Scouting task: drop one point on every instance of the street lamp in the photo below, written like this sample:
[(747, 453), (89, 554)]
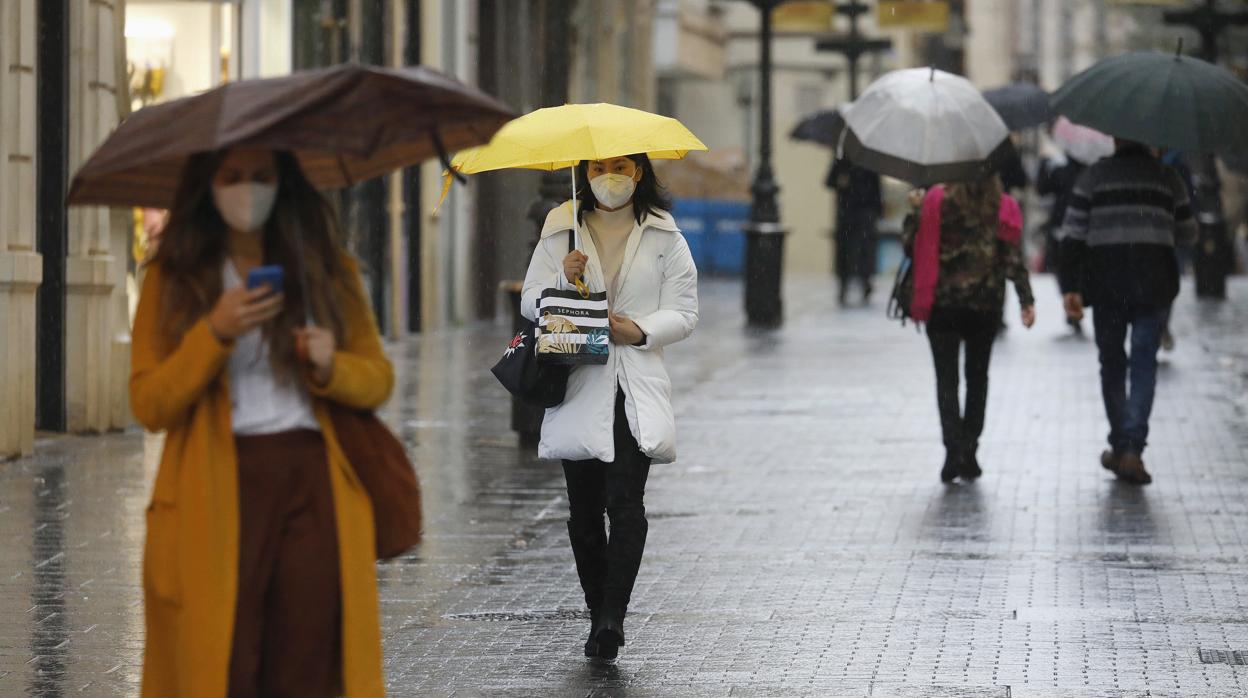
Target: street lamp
[(764, 247), (853, 46)]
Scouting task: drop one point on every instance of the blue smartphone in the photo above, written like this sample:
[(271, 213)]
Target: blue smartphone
[(271, 275)]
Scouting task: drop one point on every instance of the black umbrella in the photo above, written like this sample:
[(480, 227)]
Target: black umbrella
[(1021, 105), (823, 127), (1163, 100)]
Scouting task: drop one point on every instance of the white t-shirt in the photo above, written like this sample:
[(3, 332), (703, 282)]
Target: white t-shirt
[(260, 404)]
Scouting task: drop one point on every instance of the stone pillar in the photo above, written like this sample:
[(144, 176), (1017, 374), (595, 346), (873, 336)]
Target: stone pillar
[(21, 267), (97, 322)]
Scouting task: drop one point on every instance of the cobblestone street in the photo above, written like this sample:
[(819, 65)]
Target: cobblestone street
[(802, 544)]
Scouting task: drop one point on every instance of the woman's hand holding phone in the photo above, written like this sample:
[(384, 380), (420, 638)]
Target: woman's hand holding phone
[(240, 310)]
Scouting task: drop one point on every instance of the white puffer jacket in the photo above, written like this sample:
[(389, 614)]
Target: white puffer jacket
[(658, 289)]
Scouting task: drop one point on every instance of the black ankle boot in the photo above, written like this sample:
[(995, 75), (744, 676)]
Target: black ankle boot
[(610, 636), (589, 547), (949, 471), (591, 643), (968, 466)]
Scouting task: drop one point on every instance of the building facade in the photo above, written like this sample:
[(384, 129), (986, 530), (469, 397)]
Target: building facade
[(67, 277), (65, 355)]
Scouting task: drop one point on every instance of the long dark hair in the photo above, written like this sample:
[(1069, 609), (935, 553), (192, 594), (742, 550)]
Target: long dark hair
[(649, 197), (193, 249), (979, 200)]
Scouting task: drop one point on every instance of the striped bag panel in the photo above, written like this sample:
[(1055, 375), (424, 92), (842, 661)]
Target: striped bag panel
[(572, 329)]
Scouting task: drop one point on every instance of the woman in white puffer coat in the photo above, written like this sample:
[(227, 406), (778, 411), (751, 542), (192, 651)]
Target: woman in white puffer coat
[(617, 418)]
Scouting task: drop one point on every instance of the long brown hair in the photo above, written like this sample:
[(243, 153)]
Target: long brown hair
[(193, 250), (979, 200)]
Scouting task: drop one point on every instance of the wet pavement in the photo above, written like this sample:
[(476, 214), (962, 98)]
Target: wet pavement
[(802, 545)]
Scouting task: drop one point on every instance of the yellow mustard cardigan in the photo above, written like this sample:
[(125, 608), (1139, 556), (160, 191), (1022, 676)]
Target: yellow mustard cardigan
[(190, 567)]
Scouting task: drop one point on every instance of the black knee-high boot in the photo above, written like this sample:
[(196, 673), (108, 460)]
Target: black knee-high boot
[(624, 551), (589, 548)]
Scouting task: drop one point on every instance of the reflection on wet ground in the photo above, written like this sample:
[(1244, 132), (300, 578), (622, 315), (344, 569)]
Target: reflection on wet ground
[(802, 545)]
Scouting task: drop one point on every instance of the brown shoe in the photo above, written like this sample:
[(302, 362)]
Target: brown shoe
[(1131, 469), (1109, 461)]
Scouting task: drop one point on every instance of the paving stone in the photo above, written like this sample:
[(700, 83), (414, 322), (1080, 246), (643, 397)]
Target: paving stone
[(802, 545)]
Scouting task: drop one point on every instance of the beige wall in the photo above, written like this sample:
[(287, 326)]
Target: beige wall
[(265, 44), (446, 291), (991, 43), (97, 317), (612, 60), (96, 323), (21, 268)]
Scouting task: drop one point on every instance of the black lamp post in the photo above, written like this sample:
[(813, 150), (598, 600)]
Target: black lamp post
[(1214, 254), (854, 46), (764, 246)]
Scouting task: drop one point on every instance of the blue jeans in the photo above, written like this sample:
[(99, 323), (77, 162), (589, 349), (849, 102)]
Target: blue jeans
[(1128, 412)]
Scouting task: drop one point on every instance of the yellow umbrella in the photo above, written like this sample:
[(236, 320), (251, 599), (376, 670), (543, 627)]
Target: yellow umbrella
[(559, 137)]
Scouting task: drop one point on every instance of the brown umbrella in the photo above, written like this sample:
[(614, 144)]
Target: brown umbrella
[(346, 124)]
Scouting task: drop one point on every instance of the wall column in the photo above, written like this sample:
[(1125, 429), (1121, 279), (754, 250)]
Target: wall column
[(21, 267), (97, 319)]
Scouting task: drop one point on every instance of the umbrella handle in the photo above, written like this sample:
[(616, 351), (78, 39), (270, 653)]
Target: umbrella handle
[(439, 146), (576, 234)]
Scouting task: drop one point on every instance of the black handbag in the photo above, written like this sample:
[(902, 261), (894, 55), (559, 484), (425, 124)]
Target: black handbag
[(903, 291), (540, 384)]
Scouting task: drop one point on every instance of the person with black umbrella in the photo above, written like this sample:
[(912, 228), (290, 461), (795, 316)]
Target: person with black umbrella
[(258, 531), (858, 209), (253, 334), (1118, 256)]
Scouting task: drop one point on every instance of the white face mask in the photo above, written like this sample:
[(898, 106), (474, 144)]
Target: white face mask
[(245, 206), (613, 190)]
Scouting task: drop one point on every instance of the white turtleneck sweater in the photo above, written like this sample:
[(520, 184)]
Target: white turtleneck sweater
[(610, 231)]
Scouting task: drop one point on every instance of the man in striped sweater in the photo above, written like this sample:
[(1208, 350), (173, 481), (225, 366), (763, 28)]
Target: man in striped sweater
[(1118, 256)]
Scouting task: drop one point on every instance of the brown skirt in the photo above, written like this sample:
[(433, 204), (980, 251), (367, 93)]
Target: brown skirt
[(287, 627)]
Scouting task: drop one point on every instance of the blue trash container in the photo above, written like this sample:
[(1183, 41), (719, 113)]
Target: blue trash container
[(727, 238), (690, 216)]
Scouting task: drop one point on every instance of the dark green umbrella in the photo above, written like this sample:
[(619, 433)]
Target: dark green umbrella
[(1164, 100)]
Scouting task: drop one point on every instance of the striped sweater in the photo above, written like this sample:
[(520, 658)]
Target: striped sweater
[(1120, 229)]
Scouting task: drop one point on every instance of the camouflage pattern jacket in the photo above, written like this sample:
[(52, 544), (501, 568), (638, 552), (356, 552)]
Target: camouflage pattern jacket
[(974, 263)]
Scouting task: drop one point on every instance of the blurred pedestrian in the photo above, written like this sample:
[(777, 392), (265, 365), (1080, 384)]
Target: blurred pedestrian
[(966, 245), (1184, 249), (259, 569), (617, 418), (1056, 178), (1013, 174), (1118, 256), (859, 205)]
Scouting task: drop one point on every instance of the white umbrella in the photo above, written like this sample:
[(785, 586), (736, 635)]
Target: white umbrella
[(925, 126)]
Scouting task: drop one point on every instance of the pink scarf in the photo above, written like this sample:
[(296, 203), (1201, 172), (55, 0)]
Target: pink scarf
[(927, 246)]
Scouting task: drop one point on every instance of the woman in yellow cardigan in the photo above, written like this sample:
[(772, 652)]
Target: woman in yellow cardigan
[(259, 576)]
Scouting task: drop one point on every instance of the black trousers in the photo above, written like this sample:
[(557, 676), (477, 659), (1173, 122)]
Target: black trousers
[(947, 332), (607, 565)]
